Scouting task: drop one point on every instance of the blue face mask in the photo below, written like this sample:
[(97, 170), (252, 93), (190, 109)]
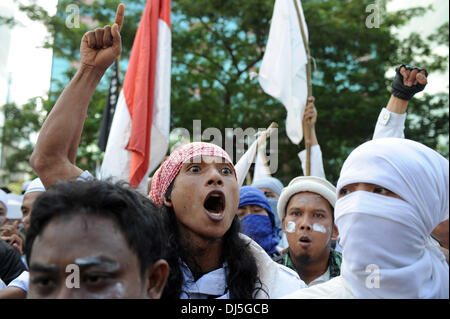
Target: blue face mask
[(260, 229)]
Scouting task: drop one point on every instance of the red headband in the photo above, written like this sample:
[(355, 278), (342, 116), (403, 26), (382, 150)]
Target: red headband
[(170, 168)]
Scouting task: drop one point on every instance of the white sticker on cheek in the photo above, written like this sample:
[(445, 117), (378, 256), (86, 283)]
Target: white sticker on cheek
[(319, 228), (290, 228)]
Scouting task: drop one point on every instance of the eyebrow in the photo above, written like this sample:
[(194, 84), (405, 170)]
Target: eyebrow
[(44, 268), (92, 261), (85, 262), (314, 210)]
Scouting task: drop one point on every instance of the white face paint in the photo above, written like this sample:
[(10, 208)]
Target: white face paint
[(290, 228), (319, 228)]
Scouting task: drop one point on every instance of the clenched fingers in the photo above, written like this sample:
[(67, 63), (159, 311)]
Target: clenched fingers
[(99, 38), (422, 77), (107, 36)]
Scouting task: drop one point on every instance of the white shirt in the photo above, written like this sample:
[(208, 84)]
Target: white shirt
[(21, 281), (335, 288), (322, 278), (213, 283), (390, 124), (277, 280), (2, 284), (316, 168)]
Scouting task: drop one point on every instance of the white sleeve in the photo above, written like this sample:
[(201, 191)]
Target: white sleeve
[(316, 161), (85, 176), (2, 284), (390, 124), (21, 281)]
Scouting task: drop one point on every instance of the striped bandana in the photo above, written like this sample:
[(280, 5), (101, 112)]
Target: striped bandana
[(170, 168)]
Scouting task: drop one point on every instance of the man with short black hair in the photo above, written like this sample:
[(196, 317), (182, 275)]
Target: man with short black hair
[(94, 239)]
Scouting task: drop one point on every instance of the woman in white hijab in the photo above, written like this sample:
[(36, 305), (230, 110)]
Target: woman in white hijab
[(391, 194)]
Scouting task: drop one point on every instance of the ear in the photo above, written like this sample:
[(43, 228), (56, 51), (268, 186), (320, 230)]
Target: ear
[(335, 232), (167, 202), (156, 279)]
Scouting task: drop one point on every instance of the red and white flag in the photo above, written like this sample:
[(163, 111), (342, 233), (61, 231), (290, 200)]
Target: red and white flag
[(139, 136)]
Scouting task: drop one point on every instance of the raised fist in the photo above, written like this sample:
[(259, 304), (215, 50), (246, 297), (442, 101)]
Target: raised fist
[(408, 81), (99, 48)]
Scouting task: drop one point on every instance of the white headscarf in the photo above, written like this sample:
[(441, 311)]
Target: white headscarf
[(386, 248)]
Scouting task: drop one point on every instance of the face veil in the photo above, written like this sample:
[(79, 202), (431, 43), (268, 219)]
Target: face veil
[(389, 237)]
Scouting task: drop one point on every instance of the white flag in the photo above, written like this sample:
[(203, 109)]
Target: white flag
[(283, 69), (244, 163), (261, 169)]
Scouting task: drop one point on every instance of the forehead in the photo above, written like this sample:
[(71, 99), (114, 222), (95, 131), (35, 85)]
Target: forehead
[(67, 238), (30, 197), (308, 200), (204, 159)]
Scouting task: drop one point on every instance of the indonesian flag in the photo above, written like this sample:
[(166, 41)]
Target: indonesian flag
[(139, 136), (283, 70)]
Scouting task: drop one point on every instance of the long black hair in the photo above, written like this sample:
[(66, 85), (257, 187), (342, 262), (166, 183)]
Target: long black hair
[(242, 277)]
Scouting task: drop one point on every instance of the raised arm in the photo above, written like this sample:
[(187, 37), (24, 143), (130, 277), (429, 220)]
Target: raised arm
[(316, 154), (408, 81), (54, 156)]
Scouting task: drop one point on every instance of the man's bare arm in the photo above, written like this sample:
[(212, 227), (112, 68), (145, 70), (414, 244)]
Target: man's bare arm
[(54, 156)]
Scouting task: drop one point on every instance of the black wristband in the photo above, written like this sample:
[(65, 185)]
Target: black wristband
[(402, 91)]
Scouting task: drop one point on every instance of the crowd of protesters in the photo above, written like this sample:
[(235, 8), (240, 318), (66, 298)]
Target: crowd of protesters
[(381, 232)]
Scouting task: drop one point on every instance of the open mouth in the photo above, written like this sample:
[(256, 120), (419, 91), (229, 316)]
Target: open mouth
[(215, 204), (305, 240)]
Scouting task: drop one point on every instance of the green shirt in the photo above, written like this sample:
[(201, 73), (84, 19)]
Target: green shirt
[(334, 262)]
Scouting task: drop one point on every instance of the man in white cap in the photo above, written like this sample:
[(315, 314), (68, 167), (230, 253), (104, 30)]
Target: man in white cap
[(33, 191), (306, 209)]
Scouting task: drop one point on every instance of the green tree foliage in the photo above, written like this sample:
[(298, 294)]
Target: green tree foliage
[(217, 44), (20, 124)]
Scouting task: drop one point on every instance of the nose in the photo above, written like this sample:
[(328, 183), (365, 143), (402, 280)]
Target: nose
[(305, 223), (214, 178)]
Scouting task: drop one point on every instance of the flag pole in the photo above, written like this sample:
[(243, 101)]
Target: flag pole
[(118, 71), (263, 137), (309, 84)]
